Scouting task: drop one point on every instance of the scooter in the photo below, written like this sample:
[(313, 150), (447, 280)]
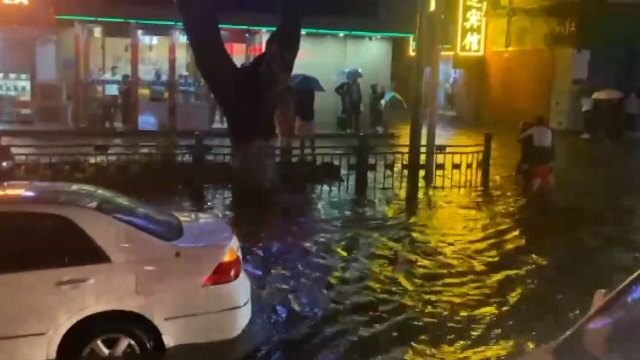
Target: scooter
[(538, 179), (542, 179)]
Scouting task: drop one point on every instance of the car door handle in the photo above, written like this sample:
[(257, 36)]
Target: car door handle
[(71, 282)]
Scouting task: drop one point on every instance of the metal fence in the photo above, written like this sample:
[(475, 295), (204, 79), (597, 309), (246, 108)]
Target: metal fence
[(339, 162)]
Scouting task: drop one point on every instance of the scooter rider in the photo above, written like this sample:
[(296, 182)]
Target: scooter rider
[(539, 155), (542, 151)]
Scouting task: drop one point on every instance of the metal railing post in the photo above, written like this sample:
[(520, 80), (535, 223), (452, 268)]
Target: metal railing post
[(362, 165), (486, 161), (198, 157)]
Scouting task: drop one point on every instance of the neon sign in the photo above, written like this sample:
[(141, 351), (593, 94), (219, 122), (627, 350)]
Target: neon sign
[(15, 2), (472, 27)]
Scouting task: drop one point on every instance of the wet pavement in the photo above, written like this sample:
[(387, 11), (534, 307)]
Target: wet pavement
[(473, 276)]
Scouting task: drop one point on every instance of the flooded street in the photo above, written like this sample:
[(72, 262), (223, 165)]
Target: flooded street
[(473, 276)]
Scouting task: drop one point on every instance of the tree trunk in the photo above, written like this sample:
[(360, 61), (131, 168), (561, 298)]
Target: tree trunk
[(247, 95)]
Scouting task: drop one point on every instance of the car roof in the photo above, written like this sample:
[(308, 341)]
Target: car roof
[(49, 193)]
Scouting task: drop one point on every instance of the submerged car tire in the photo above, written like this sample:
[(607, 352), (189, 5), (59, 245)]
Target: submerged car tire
[(109, 340)]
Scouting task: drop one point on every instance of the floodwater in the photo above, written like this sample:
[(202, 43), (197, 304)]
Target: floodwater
[(473, 276)]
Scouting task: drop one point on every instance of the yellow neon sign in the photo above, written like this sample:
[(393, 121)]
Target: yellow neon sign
[(472, 27), (15, 2), (412, 46), (432, 5)]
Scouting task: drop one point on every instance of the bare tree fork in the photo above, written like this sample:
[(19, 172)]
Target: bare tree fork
[(248, 94)]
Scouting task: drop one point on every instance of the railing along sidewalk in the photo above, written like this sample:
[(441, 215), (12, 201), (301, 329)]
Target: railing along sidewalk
[(364, 162)]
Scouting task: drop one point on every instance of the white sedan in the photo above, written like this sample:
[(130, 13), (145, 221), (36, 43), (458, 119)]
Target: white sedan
[(85, 273)]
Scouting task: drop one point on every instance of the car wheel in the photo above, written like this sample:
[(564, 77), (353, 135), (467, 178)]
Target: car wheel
[(107, 340)]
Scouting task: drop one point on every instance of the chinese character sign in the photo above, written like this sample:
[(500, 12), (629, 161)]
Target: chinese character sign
[(472, 27)]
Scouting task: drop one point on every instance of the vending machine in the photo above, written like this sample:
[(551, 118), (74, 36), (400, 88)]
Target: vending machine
[(15, 96)]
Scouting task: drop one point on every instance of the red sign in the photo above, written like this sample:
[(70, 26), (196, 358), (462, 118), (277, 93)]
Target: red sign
[(25, 13)]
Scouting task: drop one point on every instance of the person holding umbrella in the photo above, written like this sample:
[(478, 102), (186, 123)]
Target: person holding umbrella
[(305, 87), (351, 95), (609, 112), (394, 108)]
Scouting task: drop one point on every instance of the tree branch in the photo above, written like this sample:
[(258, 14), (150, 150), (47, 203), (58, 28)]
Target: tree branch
[(203, 30)]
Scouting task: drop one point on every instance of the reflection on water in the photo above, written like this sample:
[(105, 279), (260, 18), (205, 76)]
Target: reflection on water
[(473, 276), (367, 283)]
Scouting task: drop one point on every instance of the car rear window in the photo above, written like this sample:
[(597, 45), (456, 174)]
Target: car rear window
[(158, 223)]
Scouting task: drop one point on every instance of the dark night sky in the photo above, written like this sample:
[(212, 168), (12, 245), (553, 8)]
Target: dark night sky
[(365, 8), (333, 7), (370, 15)]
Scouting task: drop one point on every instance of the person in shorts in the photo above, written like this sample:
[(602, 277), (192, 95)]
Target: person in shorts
[(305, 119)]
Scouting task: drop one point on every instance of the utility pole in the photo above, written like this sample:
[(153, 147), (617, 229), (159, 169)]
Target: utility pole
[(428, 49), (433, 85), (415, 134)]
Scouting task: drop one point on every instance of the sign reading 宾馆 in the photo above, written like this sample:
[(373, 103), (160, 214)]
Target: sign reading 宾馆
[(472, 27)]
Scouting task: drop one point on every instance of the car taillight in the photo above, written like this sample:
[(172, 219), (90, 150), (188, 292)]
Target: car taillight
[(228, 270)]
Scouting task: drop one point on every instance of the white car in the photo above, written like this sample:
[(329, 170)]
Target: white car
[(85, 272)]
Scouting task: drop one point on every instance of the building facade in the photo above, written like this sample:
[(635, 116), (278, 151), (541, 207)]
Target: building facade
[(513, 60), (64, 62)]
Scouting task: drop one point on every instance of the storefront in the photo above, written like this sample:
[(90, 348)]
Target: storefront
[(30, 91), (98, 68)]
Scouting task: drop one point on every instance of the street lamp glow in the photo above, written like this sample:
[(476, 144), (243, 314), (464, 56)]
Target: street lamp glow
[(15, 2)]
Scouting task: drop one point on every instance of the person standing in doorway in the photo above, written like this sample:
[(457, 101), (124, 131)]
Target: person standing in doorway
[(305, 117), (157, 87), (110, 98), (125, 102), (586, 105), (351, 95)]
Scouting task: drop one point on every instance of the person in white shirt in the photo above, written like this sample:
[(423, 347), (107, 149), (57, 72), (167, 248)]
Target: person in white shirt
[(111, 97), (539, 137)]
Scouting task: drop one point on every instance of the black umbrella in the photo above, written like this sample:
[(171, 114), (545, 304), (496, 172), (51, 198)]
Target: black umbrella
[(305, 82)]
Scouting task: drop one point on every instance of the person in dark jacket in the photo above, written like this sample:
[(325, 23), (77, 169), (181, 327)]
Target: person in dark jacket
[(157, 87), (375, 109), (351, 95), (305, 116), (125, 102)]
